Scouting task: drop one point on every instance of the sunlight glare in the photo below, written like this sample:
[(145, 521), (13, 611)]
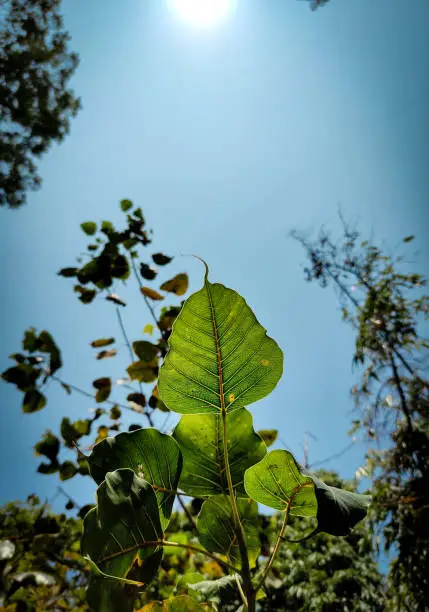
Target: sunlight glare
[(202, 13)]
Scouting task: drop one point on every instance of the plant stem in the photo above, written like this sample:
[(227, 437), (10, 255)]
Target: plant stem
[(186, 511), (276, 547), (148, 304), (245, 568), (240, 589), (130, 350)]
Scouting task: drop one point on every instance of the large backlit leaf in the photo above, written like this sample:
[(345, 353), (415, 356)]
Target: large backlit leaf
[(201, 442), (338, 510), (150, 454), (216, 528), (277, 482), (220, 358), (116, 536)]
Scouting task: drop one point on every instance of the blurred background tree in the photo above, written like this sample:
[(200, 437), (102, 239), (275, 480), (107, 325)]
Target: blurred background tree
[(385, 304), (36, 104)]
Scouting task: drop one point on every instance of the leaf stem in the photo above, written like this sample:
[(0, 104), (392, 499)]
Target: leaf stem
[(276, 547), (245, 568), (240, 589)]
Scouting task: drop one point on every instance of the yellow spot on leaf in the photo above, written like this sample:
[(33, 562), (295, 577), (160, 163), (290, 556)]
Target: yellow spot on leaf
[(265, 362), (231, 397)]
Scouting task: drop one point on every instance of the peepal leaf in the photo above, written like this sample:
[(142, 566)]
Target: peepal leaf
[(33, 401), (151, 293), (106, 354), (150, 454), (269, 436), (216, 529), (277, 482), (89, 227), (143, 371), (160, 259), (338, 510), (113, 297), (201, 442), (177, 285), (145, 351), (102, 342), (220, 358), (117, 534), (126, 205), (104, 387)]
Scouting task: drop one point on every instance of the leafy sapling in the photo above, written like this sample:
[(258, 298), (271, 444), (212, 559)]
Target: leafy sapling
[(219, 361)]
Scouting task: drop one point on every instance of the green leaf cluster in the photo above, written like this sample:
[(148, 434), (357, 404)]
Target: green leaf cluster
[(219, 359)]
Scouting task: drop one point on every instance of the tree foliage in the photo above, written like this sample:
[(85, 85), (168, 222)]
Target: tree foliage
[(40, 563), (386, 306), (36, 104)]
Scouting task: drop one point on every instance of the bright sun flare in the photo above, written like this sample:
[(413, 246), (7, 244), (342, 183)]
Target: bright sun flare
[(202, 13)]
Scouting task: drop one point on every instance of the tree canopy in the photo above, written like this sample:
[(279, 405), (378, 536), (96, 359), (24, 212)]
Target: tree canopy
[(36, 104), (386, 305)]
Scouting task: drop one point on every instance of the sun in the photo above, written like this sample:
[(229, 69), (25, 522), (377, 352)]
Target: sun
[(202, 13)]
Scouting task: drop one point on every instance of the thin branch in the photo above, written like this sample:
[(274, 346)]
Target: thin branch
[(130, 350), (186, 511), (90, 395), (401, 393), (148, 304), (124, 333), (334, 456), (71, 499), (276, 547)]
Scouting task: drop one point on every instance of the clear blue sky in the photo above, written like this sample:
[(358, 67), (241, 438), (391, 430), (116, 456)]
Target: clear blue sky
[(227, 138)]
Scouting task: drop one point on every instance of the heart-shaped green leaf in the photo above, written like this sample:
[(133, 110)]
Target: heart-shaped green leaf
[(201, 442), (277, 482), (154, 456), (217, 532), (120, 535), (220, 358)]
